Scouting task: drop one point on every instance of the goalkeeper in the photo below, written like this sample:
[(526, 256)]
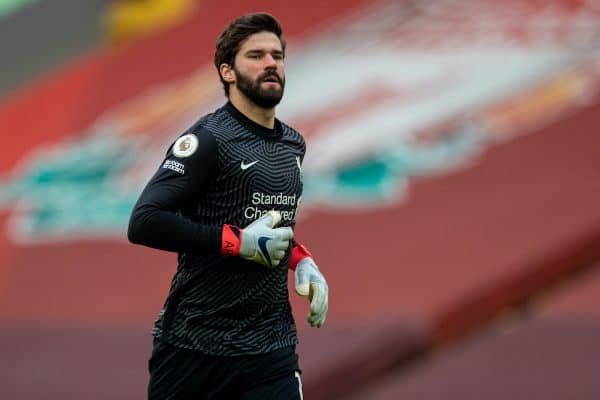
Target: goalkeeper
[(225, 199)]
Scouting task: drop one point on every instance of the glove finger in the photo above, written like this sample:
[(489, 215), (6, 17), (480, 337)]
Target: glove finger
[(277, 255), (269, 220), (302, 282), (317, 320), (281, 244), (275, 218), (318, 299), (321, 322), (274, 263), (318, 305), (284, 233)]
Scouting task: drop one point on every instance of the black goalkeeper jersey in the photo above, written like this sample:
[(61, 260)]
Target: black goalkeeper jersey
[(225, 169)]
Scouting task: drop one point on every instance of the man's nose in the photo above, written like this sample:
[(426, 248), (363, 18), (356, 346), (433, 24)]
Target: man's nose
[(270, 61)]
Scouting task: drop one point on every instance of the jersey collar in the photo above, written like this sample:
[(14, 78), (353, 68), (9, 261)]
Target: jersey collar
[(252, 126)]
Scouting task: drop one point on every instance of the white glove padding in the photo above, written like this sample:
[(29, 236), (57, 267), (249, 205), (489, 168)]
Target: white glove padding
[(311, 283), (264, 244)]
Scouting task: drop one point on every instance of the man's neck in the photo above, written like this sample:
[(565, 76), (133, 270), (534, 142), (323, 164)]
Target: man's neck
[(262, 116)]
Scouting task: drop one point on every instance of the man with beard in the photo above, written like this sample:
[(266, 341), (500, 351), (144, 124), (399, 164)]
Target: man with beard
[(225, 199)]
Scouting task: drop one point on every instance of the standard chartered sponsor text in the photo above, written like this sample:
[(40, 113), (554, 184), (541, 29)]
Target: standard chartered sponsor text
[(263, 203)]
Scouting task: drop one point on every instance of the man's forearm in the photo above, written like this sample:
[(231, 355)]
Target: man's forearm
[(166, 230)]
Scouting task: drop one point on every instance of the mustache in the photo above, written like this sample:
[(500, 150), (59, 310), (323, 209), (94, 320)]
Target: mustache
[(269, 74)]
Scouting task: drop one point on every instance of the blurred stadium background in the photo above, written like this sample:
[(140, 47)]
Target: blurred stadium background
[(452, 190)]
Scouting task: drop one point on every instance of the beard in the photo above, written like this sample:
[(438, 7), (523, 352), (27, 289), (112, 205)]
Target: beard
[(265, 98)]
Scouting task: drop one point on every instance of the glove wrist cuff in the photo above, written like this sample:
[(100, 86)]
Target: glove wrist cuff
[(231, 240), (299, 252)]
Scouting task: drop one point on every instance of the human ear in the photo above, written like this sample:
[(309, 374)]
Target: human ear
[(227, 73)]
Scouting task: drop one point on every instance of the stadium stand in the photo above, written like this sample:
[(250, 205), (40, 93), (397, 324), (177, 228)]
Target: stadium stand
[(43, 35), (548, 351)]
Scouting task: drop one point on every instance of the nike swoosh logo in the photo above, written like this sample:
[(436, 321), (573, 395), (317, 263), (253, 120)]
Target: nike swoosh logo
[(246, 166), (262, 245)]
